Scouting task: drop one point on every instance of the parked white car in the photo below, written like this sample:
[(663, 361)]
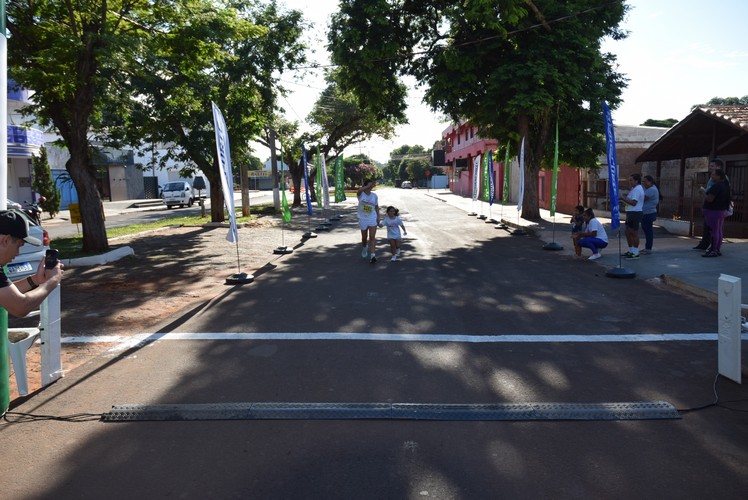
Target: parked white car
[(29, 256), (406, 185), (178, 193)]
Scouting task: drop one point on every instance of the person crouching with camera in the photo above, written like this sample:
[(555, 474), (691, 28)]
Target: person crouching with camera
[(25, 295)]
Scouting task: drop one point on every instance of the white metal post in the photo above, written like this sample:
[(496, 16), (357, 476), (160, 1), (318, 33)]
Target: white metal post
[(51, 336), (728, 317)]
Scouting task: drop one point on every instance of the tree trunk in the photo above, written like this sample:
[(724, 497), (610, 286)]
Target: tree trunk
[(296, 172), (534, 147), (274, 169), (89, 201), (217, 205)]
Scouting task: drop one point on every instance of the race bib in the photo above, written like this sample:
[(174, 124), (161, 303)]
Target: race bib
[(367, 209)]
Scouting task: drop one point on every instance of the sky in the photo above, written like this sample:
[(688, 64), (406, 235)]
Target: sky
[(678, 53)]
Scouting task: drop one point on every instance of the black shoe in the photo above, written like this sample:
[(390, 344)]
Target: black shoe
[(701, 247), (373, 259)]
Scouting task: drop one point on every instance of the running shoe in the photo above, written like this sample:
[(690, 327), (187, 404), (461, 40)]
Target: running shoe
[(711, 253), (627, 254), (394, 258), (645, 252), (594, 256), (364, 252), (373, 259), (632, 256)]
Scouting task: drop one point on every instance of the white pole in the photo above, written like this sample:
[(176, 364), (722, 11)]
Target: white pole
[(3, 111), (51, 338), (729, 291)]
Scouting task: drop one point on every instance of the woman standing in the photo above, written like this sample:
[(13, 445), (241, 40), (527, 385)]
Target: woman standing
[(716, 203), (368, 219)]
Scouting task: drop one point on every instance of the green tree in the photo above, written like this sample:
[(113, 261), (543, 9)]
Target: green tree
[(339, 121), (652, 122), (230, 56), (726, 101), (72, 56), (44, 184), (509, 67), (410, 163)]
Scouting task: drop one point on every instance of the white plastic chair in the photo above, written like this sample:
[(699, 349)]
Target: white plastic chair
[(20, 341)]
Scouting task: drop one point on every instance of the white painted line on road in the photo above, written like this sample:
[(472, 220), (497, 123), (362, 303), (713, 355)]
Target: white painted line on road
[(125, 341)]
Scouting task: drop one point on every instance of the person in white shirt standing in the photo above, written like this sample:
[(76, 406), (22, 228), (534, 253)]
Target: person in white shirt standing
[(634, 205), (368, 219)]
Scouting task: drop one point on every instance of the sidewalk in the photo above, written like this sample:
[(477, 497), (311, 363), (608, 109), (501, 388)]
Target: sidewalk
[(113, 208), (673, 261)]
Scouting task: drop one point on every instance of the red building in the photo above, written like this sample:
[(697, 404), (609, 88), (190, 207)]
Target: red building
[(462, 144)]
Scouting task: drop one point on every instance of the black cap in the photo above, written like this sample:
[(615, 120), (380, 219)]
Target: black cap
[(16, 225)]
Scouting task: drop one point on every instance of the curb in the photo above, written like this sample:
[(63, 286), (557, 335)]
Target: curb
[(97, 260), (691, 289)]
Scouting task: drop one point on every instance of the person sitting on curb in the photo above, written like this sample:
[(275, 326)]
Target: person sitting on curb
[(593, 236), (577, 224), (23, 296)]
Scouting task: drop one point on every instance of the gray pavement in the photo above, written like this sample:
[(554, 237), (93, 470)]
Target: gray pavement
[(56, 447), (674, 262)]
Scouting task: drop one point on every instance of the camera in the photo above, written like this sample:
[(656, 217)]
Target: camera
[(51, 258)]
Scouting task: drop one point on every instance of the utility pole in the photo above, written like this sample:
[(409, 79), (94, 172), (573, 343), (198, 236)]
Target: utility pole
[(274, 167)]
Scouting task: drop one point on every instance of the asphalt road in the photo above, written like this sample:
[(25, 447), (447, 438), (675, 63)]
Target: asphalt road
[(301, 332)]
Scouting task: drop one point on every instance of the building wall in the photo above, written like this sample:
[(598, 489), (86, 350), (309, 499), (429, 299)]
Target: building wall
[(567, 192)]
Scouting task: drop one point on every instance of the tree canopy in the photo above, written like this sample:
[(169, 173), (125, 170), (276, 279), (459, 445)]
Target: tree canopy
[(338, 121), (72, 55), (511, 68), (118, 72), (408, 163), (724, 101), (651, 122), (229, 56)]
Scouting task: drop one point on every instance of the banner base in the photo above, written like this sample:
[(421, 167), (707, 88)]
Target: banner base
[(552, 246), (621, 273), (239, 279)]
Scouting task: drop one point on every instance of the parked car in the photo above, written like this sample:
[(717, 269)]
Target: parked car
[(178, 193), (406, 185), (29, 256)]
